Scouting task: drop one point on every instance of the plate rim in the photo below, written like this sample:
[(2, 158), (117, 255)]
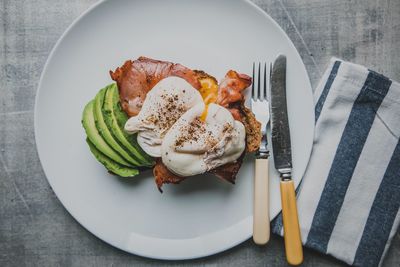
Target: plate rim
[(199, 254)]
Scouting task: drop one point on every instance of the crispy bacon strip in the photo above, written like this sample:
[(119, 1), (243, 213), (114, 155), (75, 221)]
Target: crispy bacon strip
[(136, 78), (164, 176), (229, 171), (231, 87), (231, 91)]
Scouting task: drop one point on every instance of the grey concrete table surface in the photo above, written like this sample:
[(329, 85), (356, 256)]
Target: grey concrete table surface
[(35, 229)]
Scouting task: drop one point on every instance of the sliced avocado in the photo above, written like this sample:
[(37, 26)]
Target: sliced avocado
[(121, 117), (89, 124), (105, 132), (110, 164), (115, 120)]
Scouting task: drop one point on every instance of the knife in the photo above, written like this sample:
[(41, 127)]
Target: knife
[(282, 153)]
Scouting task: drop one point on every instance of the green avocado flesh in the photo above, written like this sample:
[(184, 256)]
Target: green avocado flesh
[(105, 132), (110, 164), (103, 120), (115, 120), (88, 122)]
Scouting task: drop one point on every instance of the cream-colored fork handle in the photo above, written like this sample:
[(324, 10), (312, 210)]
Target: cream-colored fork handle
[(261, 222)]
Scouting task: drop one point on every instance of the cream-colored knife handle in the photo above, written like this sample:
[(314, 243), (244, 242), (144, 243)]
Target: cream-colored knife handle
[(261, 222), (291, 229)]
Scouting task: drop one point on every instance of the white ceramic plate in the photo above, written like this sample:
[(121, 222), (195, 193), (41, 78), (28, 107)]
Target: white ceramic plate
[(203, 215)]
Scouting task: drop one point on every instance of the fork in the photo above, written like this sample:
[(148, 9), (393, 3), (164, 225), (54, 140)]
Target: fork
[(260, 107)]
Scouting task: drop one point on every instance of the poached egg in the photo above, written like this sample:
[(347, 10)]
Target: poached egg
[(193, 146), (165, 103)]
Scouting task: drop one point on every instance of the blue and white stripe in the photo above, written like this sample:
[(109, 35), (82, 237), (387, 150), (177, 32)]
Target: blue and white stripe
[(350, 195)]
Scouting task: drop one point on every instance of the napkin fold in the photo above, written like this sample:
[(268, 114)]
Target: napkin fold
[(349, 199)]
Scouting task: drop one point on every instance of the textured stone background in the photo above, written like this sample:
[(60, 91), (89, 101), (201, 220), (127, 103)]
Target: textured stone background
[(35, 229)]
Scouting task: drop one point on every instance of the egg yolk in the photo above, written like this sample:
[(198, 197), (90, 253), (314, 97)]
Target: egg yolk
[(209, 92)]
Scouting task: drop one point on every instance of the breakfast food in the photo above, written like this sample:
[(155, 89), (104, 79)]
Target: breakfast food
[(167, 101), (177, 121), (192, 146)]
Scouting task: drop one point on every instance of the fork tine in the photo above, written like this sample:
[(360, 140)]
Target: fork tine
[(269, 80), (259, 82), (265, 82), (253, 92), (270, 70)]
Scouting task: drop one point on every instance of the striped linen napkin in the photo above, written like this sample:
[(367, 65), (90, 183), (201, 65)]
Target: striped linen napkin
[(349, 199)]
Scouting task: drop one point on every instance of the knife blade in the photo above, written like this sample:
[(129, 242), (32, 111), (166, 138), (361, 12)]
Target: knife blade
[(280, 136)]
